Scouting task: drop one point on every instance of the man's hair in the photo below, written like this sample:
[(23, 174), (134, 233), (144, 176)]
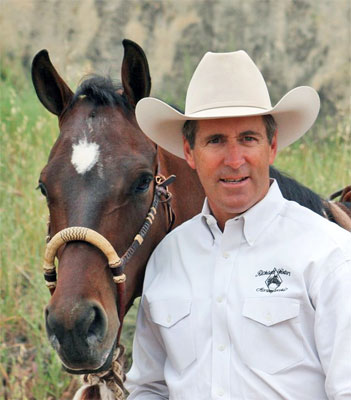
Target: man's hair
[(271, 126), (190, 127)]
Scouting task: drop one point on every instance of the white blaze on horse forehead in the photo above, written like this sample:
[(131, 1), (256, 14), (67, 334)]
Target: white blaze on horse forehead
[(84, 155)]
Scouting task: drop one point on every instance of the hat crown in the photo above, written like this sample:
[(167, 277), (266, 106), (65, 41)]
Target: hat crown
[(226, 80)]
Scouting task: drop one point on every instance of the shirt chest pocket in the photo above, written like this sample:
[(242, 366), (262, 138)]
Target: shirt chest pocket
[(173, 318), (271, 334)]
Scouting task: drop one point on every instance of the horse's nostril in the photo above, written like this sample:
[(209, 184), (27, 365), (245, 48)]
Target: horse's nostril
[(97, 328), (53, 327), (54, 342)]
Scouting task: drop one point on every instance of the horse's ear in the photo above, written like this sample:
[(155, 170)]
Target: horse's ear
[(51, 89), (136, 78)]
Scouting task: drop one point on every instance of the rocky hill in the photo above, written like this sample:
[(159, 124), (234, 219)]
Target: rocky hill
[(294, 42)]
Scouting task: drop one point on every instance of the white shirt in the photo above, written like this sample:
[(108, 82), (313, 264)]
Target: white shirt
[(260, 311)]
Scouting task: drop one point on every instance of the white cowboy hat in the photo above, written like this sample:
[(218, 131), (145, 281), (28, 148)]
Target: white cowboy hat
[(227, 85)]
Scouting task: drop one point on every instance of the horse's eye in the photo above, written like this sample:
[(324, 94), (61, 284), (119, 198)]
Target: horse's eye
[(42, 188), (143, 183)]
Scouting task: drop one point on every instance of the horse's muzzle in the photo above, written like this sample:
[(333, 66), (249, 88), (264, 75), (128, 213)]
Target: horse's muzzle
[(78, 335)]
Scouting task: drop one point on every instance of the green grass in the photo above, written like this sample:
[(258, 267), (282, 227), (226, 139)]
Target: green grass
[(321, 159), (28, 365)]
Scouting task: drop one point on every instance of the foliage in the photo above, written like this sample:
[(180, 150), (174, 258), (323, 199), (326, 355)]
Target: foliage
[(28, 367)]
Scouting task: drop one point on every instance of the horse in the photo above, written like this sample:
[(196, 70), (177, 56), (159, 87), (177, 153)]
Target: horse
[(107, 193), (100, 175)]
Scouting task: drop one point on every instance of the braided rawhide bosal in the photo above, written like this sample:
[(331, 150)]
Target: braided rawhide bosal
[(83, 234)]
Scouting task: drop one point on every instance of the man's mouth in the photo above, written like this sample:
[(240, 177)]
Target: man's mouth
[(232, 180)]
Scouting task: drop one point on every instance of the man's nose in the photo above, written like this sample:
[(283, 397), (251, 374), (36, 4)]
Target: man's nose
[(234, 156)]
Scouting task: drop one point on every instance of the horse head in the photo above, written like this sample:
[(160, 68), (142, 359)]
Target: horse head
[(100, 175)]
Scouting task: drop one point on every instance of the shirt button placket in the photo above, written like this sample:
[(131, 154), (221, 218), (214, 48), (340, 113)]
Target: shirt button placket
[(220, 344)]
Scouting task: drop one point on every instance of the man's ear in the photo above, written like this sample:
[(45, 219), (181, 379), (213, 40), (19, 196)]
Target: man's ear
[(274, 147), (189, 154)]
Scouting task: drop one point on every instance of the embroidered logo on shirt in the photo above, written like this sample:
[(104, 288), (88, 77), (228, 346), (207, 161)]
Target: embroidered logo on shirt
[(273, 281)]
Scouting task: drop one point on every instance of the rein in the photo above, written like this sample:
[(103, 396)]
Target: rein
[(117, 264)]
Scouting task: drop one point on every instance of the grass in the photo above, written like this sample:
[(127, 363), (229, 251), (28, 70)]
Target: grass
[(29, 368), (321, 159)]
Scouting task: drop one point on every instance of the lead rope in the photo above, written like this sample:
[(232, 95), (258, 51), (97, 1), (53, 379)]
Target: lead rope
[(113, 378)]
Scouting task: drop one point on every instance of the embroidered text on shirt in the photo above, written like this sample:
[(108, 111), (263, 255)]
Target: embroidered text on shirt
[(273, 281)]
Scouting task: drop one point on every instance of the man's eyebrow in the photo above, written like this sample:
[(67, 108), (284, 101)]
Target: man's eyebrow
[(214, 136), (251, 133)]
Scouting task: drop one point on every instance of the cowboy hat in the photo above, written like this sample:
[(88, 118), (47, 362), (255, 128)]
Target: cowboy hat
[(227, 85)]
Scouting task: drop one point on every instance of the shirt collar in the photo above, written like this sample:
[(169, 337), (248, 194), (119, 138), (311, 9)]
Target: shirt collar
[(208, 219), (257, 218)]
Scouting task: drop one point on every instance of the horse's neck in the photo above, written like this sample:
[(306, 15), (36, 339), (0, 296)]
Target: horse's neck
[(188, 194)]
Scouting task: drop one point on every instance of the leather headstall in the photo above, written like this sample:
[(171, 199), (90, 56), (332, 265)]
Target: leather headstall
[(117, 264)]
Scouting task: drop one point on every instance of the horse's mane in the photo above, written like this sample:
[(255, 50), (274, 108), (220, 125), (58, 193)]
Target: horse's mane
[(293, 190), (100, 91)]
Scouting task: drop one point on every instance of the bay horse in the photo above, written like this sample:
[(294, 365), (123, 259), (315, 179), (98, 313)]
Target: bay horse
[(100, 177)]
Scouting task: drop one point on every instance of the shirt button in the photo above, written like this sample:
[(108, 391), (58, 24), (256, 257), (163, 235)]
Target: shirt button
[(220, 392), (169, 318), (219, 299), (221, 347), (269, 317), (226, 255)]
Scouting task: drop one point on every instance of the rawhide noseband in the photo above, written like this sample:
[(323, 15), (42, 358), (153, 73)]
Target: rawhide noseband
[(116, 264)]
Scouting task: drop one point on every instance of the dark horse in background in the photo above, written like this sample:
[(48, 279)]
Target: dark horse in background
[(100, 175)]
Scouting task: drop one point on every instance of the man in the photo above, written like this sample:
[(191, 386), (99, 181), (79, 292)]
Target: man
[(250, 298)]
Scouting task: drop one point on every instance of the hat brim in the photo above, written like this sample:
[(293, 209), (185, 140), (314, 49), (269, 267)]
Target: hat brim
[(295, 113)]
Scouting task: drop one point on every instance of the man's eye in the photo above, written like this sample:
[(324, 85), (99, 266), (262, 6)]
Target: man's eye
[(214, 140), (250, 139)]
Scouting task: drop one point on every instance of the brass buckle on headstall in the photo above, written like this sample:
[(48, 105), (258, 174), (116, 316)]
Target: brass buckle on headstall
[(162, 187)]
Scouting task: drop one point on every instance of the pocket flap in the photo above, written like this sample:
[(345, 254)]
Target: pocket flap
[(271, 311), (169, 311)]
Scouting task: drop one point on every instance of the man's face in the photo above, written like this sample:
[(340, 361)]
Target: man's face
[(232, 158)]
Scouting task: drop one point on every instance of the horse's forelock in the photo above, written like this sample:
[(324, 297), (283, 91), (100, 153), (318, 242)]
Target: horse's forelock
[(102, 90)]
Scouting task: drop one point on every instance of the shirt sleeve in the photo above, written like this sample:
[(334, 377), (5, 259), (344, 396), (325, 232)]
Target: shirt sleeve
[(145, 380), (333, 331)]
